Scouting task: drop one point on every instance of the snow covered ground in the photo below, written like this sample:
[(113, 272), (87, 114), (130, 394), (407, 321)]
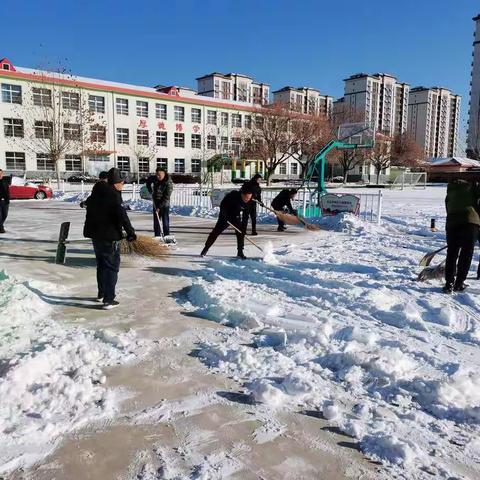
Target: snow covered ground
[(329, 324), (338, 324), (51, 374)]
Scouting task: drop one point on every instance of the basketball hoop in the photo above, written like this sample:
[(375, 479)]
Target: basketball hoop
[(360, 134)]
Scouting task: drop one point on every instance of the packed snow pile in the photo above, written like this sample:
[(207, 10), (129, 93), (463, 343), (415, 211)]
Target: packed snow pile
[(71, 197), (51, 375), (340, 325)]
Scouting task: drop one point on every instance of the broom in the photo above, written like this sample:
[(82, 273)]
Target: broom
[(290, 219), (143, 246)]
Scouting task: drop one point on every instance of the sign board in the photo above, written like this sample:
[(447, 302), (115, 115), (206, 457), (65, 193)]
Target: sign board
[(333, 204), (217, 196)]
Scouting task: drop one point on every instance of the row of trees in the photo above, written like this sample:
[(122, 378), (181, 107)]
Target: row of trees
[(280, 134)]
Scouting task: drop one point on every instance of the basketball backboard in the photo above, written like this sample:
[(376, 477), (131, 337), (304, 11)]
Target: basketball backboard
[(361, 134)]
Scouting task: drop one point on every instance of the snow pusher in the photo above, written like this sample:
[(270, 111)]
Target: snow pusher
[(427, 259)]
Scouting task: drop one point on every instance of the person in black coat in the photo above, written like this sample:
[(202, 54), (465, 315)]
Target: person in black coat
[(283, 201), (254, 184), (102, 178), (160, 187), (234, 209), (4, 200), (105, 221)]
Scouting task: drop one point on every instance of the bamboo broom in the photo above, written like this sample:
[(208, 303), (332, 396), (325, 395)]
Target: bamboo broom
[(144, 246), (290, 219)]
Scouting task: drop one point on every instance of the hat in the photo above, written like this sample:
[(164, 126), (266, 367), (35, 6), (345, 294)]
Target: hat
[(246, 188), (114, 176), (103, 175), (257, 175)]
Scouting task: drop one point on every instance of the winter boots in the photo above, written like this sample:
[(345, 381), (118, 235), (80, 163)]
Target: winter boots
[(458, 287), (448, 288)]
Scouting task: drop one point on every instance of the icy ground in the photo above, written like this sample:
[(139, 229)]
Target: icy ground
[(51, 374), (338, 324)]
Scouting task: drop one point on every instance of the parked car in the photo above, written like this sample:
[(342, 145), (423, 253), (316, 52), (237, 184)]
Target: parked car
[(20, 189), (81, 178), (239, 180)]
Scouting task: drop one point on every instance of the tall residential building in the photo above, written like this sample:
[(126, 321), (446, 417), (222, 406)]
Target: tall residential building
[(381, 98), (473, 139), (433, 118), (134, 128), (304, 100), (234, 87)]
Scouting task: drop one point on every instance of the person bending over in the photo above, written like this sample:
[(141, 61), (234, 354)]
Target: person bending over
[(282, 202), (234, 209)]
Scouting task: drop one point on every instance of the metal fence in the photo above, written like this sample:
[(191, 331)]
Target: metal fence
[(200, 196)]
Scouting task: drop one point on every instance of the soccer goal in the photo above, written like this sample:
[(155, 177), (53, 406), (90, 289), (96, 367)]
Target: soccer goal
[(408, 179)]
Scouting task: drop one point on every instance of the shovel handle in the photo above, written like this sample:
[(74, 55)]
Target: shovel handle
[(247, 238)]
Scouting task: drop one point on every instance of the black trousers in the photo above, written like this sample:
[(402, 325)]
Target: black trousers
[(252, 213), (107, 254), (461, 244), (3, 212), (220, 227), (164, 214)]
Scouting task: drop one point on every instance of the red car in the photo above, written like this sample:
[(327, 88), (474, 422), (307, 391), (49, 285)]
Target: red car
[(20, 189)]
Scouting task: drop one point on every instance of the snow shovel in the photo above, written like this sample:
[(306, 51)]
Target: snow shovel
[(246, 237), (62, 243), (427, 259), (166, 239), (289, 219)]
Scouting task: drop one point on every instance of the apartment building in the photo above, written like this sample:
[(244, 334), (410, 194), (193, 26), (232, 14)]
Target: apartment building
[(433, 120), (109, 124), (473, 137), (381, 98), (304, 100), (234, 87)]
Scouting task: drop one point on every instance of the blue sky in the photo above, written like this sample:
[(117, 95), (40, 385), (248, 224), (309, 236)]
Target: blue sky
[(302, 42)]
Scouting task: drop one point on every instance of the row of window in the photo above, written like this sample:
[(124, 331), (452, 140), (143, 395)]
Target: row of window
[(96, 103), (143, 138), (73, 163), (14, 127), (123, 163), (16, 161)]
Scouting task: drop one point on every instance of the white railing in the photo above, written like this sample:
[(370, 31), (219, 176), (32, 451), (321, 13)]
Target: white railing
[(200, 196), (370, 204)]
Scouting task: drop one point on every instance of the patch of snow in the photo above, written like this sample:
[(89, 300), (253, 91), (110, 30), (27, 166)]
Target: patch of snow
[(51, 374), (388, 360)]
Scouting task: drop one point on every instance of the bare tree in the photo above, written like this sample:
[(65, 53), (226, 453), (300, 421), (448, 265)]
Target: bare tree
[(406, 152), (143, 148), (380, 155), (59, 120), (312, 133), (272, 138), (350, 159), (347, 159)]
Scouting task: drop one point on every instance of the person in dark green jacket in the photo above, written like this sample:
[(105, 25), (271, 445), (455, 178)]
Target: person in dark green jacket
[(160, 186), (463, 223)]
